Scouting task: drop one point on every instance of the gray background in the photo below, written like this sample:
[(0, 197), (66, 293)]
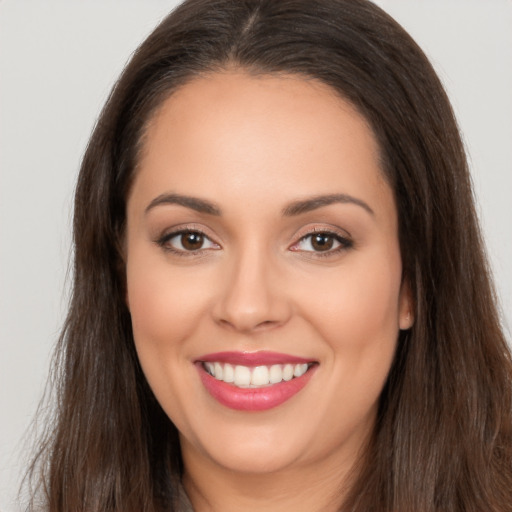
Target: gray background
[(58, 60)]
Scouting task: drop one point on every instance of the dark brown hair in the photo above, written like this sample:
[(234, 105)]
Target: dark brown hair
[(443, 438)]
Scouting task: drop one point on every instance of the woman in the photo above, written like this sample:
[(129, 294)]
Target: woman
[(280, 298)]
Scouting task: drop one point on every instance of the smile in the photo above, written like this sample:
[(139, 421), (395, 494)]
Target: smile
[(254, 381), (255, 377)]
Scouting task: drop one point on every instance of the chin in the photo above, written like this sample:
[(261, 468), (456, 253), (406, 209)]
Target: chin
[(254, 460), (250, 449)]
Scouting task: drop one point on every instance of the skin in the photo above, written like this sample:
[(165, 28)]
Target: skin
[(252, 146)]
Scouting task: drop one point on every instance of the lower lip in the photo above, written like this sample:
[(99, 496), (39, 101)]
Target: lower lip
[(253, 399)]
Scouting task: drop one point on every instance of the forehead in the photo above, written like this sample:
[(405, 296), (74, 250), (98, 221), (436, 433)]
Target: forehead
[(264, 135)]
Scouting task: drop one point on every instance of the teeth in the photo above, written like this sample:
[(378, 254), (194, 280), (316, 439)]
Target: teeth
[(229, 373), (258, 376), (218, 371), (210, 368), (288, 372), (276, 374), (300, 369), (242, 376)]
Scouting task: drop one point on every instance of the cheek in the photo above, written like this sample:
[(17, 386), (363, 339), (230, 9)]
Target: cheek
[(166, 306), (163, 302), (358, 319), (152, 306), (359, 306)]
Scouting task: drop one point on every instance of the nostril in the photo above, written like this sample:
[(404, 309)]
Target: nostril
[(248, 327), (268, 323), (247, 302)]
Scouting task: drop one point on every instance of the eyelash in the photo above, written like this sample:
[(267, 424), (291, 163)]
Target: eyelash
[(163, 242), (344, 242)]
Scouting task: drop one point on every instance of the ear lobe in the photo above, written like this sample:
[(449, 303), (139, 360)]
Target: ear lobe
[(406, 307)]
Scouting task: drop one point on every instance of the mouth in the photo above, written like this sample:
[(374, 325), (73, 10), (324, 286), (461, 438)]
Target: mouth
[(254, 381), (255, 377)]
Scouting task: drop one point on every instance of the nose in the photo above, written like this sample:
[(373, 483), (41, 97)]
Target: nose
[(252, 297)]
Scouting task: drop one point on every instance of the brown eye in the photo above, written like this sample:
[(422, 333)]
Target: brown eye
[(187, 242), (322, 242), (192, 241)]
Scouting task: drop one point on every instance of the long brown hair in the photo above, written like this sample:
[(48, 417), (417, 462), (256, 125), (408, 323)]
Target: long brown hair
[(443, 438)]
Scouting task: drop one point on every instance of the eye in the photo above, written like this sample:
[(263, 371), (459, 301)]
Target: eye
[(187, 241), (322, 242)]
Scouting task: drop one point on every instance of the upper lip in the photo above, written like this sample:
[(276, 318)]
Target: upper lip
[(259, 358)]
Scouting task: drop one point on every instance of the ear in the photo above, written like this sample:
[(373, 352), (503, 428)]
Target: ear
[(406, 307)]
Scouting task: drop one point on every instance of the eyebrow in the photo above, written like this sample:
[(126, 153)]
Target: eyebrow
[(194, 203), (308, 205), (293, 209)]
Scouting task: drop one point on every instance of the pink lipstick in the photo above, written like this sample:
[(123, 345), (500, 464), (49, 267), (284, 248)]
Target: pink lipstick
[(254, 381)]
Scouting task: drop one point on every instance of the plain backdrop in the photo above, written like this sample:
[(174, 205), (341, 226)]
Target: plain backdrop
[(58, 60)]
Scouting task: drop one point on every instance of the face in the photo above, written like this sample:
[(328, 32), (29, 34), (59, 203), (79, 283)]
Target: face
[(264, 272)]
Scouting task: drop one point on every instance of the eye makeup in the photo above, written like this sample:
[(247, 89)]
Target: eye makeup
[(192, 241)]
